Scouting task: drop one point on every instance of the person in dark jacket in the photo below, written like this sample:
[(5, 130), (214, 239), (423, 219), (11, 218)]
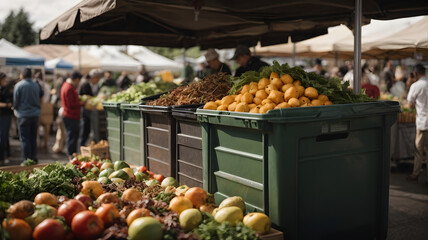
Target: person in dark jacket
[(246, 61), (26, 102), (89, 88), (211, 56), (6, 97)]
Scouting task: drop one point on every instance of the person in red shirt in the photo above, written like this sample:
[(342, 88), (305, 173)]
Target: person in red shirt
[(371, 90), (71, 111)]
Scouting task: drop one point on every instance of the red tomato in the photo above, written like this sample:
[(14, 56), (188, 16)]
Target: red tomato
[(70, 208), (87, 225), (99, 164), (142, 169), (86, 165), (108, 213), (75, 161), (49, 229), (85, 199), (151, 174), (159, 177)]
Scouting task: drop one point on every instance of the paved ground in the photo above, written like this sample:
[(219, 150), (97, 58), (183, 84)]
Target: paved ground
[(408, 201)]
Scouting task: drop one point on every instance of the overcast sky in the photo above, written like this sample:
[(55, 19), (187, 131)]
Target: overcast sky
[(41, 12)]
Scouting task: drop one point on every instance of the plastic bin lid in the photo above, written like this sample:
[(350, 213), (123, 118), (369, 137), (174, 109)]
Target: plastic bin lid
[(111, 104), (130, 106), (153, 97), (187, 111), (305, 114), (152, 108)]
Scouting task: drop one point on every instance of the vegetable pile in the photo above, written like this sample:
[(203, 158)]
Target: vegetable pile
[(54, 178), (117, 201), (211, 88), (134, 93)]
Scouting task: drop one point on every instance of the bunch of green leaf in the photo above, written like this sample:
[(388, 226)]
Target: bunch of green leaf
[(134, 93), (244, 79), (54, 178), (13, 186), (28, 162), (210, 229)]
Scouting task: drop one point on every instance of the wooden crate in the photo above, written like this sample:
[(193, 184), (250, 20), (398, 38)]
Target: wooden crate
[(273, 235), (101, 152), (17, 168)]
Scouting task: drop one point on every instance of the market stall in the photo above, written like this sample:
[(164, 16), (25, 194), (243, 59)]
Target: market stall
[(278, 161)]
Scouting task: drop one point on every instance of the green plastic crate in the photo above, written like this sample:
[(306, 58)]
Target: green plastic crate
[(318, 172), (132, 134), (114, 129)]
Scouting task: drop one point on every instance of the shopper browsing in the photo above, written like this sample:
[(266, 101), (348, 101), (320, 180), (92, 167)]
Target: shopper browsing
[(26, 102), (417, 97), (71, 111)]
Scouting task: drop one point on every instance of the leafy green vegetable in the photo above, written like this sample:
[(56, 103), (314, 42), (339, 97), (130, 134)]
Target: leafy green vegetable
[(134, 93), (28, 162), (336, 91), (54, 178), (165, 197), (210, 229)]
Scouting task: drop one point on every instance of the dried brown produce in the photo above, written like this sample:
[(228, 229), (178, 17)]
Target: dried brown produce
[(211, 88)]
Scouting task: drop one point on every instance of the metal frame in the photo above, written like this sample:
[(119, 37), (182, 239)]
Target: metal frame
[(357, 46)]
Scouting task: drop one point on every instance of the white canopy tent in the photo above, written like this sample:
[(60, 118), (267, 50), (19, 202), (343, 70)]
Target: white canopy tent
[(339, 42), (12, 55), (153, 61), (409, 42), (111, 59), (58, 63)]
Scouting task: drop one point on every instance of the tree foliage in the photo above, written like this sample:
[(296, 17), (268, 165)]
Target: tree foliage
[(18, 29)]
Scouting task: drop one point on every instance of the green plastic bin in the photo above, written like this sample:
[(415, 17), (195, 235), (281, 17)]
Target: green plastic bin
[(114, 129), (159, 138), (318, 172), (132, 134), (188, 146)]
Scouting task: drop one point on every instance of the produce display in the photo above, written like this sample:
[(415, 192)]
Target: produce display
[(280, 86), (106, 200), (137, 91), (95, 102), (210, 88)]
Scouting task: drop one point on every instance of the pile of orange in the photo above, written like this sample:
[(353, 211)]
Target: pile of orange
[(267, 94)]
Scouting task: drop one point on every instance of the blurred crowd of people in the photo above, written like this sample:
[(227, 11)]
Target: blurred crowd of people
[(31, 102)]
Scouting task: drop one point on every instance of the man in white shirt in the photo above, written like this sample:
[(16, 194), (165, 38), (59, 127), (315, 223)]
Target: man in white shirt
[(417, 97)]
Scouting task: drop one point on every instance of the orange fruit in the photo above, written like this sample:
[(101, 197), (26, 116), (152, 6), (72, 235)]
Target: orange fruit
[(197, 196), (179, 204), (17, 229), (137, 213)]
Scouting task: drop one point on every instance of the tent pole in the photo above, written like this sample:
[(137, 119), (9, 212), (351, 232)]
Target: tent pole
[(293, 63), (80, 58), (357, 46)]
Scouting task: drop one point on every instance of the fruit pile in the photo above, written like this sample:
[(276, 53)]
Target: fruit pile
[(270, 93), (280, 86), (118, 201)]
